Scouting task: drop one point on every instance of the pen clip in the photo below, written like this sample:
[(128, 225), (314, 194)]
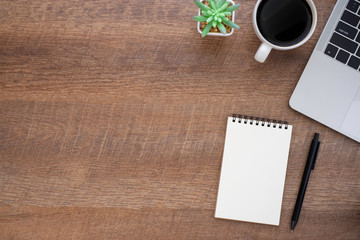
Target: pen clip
[(317, 145)]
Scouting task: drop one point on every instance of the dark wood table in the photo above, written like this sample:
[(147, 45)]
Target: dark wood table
[(113, 117)]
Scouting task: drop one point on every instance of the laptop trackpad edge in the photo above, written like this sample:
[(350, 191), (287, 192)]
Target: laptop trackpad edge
[(351, 123)]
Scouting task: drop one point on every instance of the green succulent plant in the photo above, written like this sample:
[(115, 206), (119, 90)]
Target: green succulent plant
[(215, 15)]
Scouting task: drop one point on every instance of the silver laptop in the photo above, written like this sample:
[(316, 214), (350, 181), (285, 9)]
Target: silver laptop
[(329, 88)]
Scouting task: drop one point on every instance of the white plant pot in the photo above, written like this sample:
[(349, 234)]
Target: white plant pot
[(219, 34)]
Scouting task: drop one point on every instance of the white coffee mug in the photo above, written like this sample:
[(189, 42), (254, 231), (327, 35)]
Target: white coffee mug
[(265, 47)]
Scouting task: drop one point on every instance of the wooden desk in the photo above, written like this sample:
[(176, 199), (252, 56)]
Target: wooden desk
[(113, 117)]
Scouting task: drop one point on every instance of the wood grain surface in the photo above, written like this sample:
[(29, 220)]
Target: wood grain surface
[(113, 117)]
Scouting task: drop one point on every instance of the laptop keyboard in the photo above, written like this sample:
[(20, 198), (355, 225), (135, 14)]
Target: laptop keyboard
[(344, 44)]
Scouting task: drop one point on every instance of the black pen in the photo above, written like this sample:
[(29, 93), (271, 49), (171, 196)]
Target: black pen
[(310, 164)]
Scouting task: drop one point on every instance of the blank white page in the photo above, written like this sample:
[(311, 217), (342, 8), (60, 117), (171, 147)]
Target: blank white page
[(253, 172)]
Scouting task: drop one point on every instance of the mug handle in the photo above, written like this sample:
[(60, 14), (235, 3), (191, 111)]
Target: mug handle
[(263, 52)]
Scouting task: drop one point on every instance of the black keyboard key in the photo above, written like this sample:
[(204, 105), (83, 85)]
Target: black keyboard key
[(350, 18), (343, 56), (358, 52), (354, 62), (353, 6), (331, 50), (346, 30), (344, 43), (358, 38)]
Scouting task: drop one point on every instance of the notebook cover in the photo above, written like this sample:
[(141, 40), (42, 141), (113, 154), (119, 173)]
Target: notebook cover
[(253, 172)]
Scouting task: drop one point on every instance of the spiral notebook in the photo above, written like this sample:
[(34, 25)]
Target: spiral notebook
[(253, 169)]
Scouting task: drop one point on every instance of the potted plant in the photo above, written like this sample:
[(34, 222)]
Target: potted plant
[(213, 14)]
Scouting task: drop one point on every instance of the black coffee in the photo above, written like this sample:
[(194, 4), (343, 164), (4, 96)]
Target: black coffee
[(284, 22)]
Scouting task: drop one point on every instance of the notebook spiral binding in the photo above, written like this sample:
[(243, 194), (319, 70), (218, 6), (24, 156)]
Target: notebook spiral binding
[(260, 121)]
